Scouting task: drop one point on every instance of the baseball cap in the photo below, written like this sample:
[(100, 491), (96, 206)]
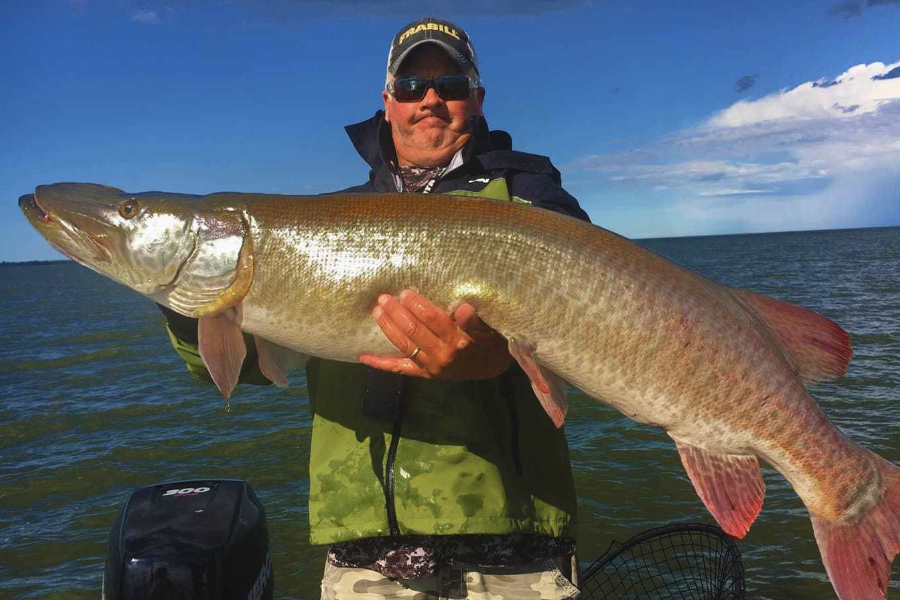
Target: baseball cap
[(450, 37)]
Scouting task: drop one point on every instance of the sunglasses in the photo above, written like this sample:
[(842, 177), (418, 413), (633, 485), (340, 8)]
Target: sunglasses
[(448, 87)]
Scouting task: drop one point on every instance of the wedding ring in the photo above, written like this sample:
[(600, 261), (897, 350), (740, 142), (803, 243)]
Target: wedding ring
[(414, 353)]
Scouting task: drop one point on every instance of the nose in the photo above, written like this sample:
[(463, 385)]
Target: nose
[(431, 98)]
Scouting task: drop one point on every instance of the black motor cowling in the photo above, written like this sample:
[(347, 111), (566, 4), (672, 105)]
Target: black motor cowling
[(190, 540)]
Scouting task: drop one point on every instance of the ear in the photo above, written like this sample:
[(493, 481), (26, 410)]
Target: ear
[(479, 97), (386, 99)]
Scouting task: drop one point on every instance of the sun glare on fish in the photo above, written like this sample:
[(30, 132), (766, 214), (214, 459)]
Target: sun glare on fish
[(340, 261), (156, 229)]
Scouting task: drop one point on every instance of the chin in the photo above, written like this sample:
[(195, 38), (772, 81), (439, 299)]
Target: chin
[(433, 138)]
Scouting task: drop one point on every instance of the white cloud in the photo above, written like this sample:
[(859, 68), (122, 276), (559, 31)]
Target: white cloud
[(729, 192), (844, 203), (815, 156), (150, 17), (852, 93), (713, 171)]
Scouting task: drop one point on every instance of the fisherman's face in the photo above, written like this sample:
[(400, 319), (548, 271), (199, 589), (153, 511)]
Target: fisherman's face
[(427, 133)]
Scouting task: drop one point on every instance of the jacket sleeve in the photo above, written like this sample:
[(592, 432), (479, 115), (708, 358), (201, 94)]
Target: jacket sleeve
[(544, 191), (183, 336)]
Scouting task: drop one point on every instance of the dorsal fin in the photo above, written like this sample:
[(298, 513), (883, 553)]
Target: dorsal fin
[(819, 347)]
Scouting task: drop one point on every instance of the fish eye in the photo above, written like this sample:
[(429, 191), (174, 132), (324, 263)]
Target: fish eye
[(129, 208)]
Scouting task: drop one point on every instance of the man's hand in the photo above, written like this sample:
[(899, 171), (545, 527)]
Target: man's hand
[(437, 345)]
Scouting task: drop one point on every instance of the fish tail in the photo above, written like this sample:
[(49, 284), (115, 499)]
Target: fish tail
[(858, 550)]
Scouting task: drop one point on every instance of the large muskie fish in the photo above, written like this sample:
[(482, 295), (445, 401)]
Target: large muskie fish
[(722, 371)]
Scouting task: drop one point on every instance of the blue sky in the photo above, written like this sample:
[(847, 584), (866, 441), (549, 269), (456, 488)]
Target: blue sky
[(665, 118)]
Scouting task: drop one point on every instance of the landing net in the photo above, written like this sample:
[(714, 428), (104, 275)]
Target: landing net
[(683, 562)]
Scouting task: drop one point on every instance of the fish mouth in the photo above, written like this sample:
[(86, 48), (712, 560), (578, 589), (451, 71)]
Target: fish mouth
[(63, 236), (29, 202)]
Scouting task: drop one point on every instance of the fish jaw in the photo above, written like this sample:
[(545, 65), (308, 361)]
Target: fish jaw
[(33, 212), (72, 242)]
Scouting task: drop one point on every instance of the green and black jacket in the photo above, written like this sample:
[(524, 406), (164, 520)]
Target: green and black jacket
[(395, 455)]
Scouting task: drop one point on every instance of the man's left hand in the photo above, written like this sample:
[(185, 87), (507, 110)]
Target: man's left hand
[(437, 345)]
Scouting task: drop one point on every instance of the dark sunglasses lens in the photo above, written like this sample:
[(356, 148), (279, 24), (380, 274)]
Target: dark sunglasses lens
[(411, 89), (448, 87), (452, 87)]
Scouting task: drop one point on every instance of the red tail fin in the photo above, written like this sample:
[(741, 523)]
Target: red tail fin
[(858, 553)]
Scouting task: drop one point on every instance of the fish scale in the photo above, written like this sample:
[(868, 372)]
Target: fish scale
[(722, 371)]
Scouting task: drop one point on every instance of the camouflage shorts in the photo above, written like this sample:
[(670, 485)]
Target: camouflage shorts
[(540, 581)]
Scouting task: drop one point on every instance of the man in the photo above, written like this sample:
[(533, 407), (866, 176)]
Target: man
[(437, 472)]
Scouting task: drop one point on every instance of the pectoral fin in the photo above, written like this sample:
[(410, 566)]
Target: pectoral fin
[(222, 349), (730, 485), (549, 387), (276, 361)]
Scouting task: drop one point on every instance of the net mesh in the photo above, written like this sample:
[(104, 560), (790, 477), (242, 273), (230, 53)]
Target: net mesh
[(683, 562)]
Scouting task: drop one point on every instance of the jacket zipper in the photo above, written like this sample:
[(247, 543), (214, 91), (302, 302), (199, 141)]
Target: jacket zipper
[(383, 401), (389, 500), (393, 525), (389, 487)]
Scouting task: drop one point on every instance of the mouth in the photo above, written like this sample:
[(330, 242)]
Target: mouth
[(29, 202), (432, 120), (61, 234)]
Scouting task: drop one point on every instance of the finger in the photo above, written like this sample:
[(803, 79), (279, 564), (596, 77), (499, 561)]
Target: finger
[(466, 319), (399, 366), (398, 329), (437, 321), (402, 327)]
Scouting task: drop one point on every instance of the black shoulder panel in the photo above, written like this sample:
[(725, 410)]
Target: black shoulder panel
[(520, 161)]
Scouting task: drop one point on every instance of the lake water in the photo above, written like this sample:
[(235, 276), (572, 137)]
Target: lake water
[(94, 403)]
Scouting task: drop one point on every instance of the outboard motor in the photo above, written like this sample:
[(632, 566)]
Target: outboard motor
[(190, 540)]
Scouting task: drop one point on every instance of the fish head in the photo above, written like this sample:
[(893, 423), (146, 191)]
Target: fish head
[(140, 240)]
